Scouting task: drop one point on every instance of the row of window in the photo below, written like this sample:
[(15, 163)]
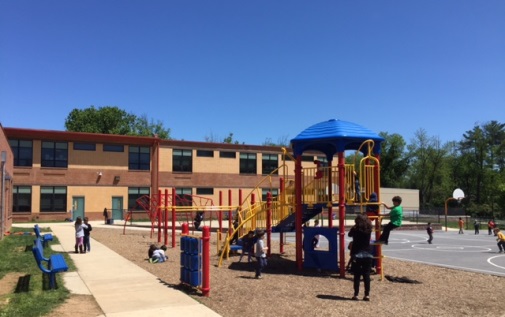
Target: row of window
[(54, 198), (55, 154)]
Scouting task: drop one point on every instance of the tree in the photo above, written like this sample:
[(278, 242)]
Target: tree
[(112, 120), (394, 162), (427, 166), (144, 127), (281, 141)]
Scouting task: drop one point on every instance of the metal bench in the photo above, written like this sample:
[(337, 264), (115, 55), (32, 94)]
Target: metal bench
[(45, 238), (54, 264)]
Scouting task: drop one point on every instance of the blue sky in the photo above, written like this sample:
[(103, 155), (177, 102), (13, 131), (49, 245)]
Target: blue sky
[(262, 69)]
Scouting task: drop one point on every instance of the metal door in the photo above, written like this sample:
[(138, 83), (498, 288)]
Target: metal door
[(117, 208), (77, 207)]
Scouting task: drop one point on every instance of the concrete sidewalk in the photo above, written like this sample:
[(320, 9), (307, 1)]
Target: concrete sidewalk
[(121, 288)]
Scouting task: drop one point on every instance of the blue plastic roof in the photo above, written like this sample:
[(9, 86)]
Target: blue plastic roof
[(334, 136)]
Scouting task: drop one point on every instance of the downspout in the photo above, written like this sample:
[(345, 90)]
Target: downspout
[(2, 205)]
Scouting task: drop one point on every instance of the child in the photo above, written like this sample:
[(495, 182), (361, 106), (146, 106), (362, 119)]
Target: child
[(79, 235), (261, 256), (395, 215), (500, 238), (315, 240), (373, 208), (150, 252), (460, 224), (159, 255), (361, 254), (87, 246), (248, 243), (429, 230)]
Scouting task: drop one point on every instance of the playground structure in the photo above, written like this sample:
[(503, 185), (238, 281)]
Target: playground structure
[(312, 190)]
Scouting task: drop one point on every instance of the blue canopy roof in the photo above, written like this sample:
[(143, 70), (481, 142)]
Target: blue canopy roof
[(332, 137)]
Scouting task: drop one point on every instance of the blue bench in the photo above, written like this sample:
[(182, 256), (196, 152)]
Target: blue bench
[(43, 238), (54, 264)]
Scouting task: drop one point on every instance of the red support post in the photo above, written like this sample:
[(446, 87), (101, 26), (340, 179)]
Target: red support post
[(330, 196), (206, 261), (229, 210), (220, 216), (282, 185), (159, 217), (185, 228), (298, 213), (173, 216), (269, 223), (341, 211), (165, 222)]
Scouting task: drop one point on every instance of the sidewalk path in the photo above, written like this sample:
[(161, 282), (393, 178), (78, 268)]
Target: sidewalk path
[(121, 288)]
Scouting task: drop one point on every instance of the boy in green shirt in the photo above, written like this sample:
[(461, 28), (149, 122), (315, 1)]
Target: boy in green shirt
[(395, 216)]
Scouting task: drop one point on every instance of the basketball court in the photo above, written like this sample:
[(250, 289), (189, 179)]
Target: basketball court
[(469, 252)]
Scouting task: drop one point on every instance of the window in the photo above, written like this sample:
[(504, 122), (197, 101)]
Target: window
[(53, 199), (247, 163), (135, 193), (22, 199), (113, 148), (184, 197), (23, 152), (54, 154), (306, 158), (225, 154), (205, 191), (264, 192), (85, 146), (322, 159), (139, 158), (270, 162), (204, 153), (182, 161)]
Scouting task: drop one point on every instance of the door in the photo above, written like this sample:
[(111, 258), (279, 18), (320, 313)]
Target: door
[(117, 208), (77, 207)]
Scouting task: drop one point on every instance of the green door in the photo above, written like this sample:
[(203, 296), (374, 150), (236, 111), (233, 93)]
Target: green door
[(117, 208), (77, 207)]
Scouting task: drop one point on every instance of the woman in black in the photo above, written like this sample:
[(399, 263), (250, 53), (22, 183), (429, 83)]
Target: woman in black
[(360, 254)]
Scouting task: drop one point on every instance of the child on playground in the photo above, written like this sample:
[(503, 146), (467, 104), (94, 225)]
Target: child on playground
[(395, 216), (87, 245), (361, 255), (429, 230), (79, 235), (500, 238), (150, 251), (261, 256), (248, 243), (315, 240), (159, 255)]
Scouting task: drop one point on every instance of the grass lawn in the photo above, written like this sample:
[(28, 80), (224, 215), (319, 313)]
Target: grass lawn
[(31, 297)]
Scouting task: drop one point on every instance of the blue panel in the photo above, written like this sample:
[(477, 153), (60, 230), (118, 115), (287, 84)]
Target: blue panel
[(193, 249), (194, 262), (194, 278), (184, 243), (187, 276), (318, 259)]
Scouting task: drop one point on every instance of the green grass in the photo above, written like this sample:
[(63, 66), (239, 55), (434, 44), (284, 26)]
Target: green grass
[(17, 257)]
